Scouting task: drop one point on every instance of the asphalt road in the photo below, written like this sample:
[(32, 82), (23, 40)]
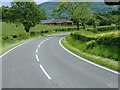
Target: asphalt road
[(43, 63)]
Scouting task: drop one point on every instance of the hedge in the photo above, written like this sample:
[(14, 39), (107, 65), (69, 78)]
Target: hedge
[(82, 38), (105, 28), (12, 38), (105, 40)]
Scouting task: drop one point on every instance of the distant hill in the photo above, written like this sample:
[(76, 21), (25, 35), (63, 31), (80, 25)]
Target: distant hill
[(48, 7), (96, 7), (102, 7)]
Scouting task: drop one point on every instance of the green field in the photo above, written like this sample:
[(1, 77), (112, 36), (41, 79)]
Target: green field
[(10, 29)]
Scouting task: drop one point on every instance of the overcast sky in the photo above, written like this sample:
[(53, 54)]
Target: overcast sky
[(7, 2)]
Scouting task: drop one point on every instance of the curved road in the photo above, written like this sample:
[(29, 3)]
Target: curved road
[(43, 63)]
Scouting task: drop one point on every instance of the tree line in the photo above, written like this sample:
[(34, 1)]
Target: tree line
[(27, 13), (81, 14), (30, 14)]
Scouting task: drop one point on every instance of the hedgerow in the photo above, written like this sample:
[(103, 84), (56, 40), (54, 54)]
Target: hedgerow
[(110, 41), (104, 28)]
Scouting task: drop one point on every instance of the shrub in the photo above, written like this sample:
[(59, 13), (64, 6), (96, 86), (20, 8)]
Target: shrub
[(32, 33), (91, 44), (104, 28), (14, 36), (38, 33), (46, 31), (115, 41), (23, 36), (42, 31), (82, 38), (7, 39)]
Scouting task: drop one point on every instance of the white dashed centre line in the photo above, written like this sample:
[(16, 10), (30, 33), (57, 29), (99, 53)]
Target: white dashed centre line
[(36, 51), (37, 58), (47, 75), (39, 46)]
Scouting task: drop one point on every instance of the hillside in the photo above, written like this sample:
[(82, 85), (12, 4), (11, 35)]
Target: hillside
[(96, 7), (48, 7)]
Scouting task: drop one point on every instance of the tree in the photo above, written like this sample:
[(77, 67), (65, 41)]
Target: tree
[(94, 24), (27, 13), (5, 13), (82, 14), (0, 14), (79, 12)]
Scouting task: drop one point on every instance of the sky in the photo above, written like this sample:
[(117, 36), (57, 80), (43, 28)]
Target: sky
[(7, 2)]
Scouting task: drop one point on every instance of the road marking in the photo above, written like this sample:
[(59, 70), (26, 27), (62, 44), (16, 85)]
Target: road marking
[(37, 58), (15, 48), (44, 41), (36, 50), (47, 75), (39, 46), (41, 43), (86, 59), (47, 39)]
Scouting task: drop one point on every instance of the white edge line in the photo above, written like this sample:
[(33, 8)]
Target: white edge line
[(110, 70), (37, 57), (45, 72), (14, 48)]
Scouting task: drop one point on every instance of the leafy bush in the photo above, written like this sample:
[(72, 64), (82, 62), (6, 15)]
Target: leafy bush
[(42, 31), (96, 45), (14, 36), (82, 38), (105, 28), (91, 44), (23, 36), (32, 33), (7, 39), (46, 31), (111, 40)]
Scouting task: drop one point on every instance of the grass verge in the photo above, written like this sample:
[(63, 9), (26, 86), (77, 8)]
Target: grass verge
[(97, 59), (7, 46)]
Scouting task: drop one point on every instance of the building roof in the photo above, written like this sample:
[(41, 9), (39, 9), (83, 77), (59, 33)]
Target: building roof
[(53, 21), (47, 21)]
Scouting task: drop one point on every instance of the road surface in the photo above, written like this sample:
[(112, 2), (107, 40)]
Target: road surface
[(43, 63)]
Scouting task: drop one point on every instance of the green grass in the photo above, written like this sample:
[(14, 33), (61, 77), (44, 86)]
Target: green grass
[(97, 59), (106, 47), (10, 29)]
